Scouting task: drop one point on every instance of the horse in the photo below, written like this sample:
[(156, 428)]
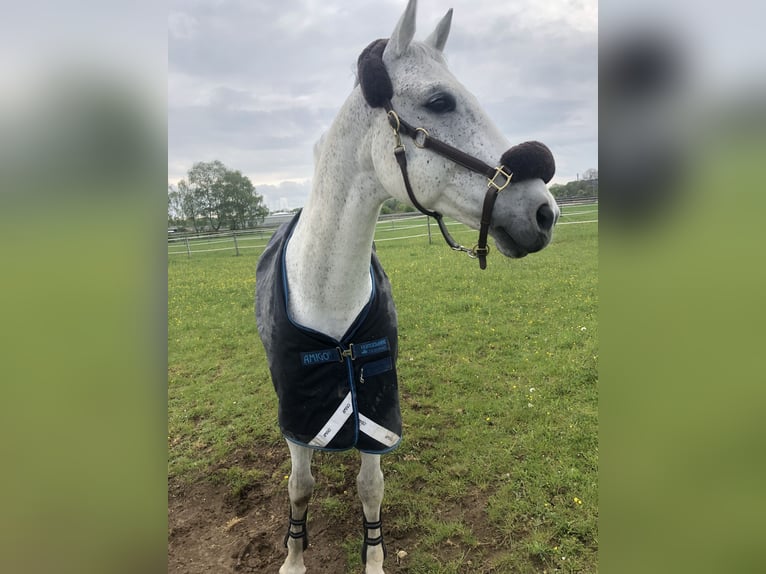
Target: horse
[(324, 308)]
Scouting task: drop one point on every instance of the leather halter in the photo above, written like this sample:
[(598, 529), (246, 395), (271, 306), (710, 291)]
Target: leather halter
[(530, 159), (498, 180)]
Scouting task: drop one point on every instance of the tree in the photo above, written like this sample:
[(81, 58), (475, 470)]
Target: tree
[(175, 206), (206, 182), (590, 174), (581, 188), (242, 206), (188, 204), (218, 196), (393, 205)]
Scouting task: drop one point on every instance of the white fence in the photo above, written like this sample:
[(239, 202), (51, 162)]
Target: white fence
[(389, 228), (223, 241)]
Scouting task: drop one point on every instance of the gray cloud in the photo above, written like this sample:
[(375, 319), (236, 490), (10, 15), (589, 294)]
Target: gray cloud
[(254, 84)]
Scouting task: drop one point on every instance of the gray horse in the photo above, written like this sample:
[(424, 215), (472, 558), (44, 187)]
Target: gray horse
[(323, 303)]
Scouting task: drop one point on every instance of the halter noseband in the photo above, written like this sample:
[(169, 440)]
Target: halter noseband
[(524, 161)]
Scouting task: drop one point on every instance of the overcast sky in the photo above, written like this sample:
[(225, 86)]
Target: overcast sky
[(254, 84)]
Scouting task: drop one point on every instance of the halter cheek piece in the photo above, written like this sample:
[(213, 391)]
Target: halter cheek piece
[(528, 160)]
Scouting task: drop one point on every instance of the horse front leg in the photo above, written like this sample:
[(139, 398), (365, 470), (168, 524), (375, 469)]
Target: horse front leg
[(299, 487), (370, 485)]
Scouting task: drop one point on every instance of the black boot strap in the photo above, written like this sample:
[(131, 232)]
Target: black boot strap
[(372, 541), (304, 533)]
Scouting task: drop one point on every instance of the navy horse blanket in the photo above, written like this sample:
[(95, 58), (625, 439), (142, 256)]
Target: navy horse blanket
[(333, 394)]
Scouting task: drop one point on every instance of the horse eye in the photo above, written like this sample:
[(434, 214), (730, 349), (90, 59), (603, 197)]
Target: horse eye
[(441, 103)]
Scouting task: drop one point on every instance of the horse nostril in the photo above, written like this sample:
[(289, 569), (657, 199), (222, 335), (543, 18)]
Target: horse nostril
[(545, 217)]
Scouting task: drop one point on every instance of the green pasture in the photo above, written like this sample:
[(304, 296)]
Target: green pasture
[(497, 471)]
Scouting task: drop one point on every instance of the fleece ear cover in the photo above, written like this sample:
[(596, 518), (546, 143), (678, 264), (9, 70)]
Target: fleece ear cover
[(373, 76), (530, 160)]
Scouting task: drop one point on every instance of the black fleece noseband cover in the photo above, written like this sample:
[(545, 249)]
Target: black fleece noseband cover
[(373, 76), (530, 160)]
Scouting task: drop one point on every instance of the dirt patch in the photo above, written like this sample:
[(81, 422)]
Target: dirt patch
[(212, 530)]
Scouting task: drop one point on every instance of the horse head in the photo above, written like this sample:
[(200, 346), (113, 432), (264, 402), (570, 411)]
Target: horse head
[(413, 79)]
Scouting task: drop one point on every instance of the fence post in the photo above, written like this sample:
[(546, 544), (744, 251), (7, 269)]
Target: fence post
[(236, 246), (428, 219), (188, 250)]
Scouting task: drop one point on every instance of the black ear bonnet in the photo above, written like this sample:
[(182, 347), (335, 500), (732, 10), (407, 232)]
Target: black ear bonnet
[(373, 77)]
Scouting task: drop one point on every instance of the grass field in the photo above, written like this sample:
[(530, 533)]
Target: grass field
[(497, 471)]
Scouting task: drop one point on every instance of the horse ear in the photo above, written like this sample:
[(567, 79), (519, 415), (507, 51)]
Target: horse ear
[(438, 37), (402, 34)]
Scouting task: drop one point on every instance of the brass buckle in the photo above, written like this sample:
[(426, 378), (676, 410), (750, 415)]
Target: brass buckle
[(346, 353), (393, 120), (476, 251), (499, 171)]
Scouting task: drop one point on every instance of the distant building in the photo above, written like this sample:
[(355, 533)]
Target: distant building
[(277, 218)]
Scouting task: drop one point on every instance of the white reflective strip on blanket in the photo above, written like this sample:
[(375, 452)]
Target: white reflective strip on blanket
[(379, 433), (337, 420)]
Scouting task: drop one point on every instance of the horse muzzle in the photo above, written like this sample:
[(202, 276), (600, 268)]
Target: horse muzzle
[(517, 236), (522, 218)]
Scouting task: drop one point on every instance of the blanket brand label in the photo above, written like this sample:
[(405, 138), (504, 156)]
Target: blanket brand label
[(372, 347), (376, 347), (311, 358)]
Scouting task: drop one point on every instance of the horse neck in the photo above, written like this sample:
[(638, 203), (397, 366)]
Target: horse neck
[(328, 256)]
